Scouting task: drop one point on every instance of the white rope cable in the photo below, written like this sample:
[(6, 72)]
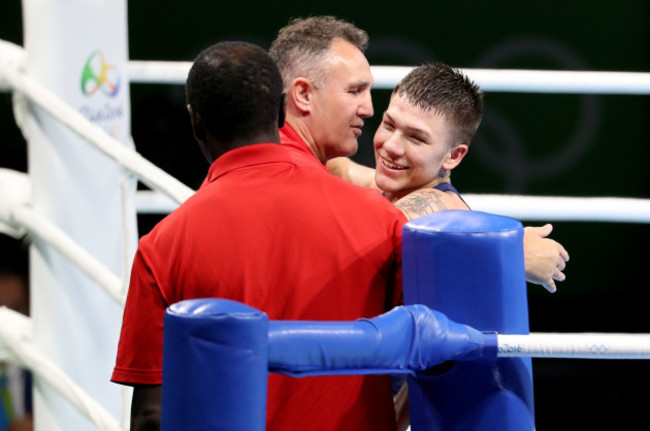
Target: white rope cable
[(554, 208), (151, 202), (547, 208), (50, 233), (148, 173), (18, 218), (129, 229), (158, 72), (22, 328), (575, 346), (16, 335), (535, 81), (561, 81), (511, 80), (15, 190)]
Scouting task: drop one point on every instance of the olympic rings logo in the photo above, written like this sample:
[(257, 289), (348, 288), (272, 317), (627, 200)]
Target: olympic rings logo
[(598, 348), (97, 74)]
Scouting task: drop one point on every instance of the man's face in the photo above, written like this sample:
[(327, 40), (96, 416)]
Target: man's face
[(411, 148), (343, 102)]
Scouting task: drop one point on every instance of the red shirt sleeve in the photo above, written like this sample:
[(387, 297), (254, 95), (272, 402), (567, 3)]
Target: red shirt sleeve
[(139, 353)]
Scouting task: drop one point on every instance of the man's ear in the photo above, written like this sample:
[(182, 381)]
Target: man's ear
[(301, 93), (197, 125), (282, 112), (455, 156)]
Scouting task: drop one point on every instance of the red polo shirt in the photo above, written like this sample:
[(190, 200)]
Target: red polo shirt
[(286, 238)]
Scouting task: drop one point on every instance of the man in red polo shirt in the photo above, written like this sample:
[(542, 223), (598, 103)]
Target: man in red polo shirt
[(270, 229)]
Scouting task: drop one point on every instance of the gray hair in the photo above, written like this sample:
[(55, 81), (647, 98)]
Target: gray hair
[(302, 47)]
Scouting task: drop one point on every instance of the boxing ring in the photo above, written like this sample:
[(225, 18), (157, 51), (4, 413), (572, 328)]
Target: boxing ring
[(42, 345)]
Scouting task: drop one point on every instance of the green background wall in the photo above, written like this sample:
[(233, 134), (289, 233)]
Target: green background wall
[(537, 144)]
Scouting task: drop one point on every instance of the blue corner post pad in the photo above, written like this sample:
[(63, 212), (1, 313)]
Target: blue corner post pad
[(470, 266), (215, 359)]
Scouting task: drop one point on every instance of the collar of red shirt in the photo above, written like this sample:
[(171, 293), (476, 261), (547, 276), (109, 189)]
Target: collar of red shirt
[(247, 156), (290, 139)]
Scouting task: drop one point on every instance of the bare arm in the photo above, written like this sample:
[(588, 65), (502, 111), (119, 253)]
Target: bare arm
[(145, 408), (352, 172)]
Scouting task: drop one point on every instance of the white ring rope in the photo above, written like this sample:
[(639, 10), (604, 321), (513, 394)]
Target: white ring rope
[(386, 77), (535, 81), (16, 334), (151, 202), (17, 217), (520, 207), (158, 72), (149, 173), (52, 235), (554, 208), (575, 346)]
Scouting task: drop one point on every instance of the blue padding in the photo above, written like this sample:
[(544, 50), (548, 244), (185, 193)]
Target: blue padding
[(469, 269), (400, 341), (491, 345), (470, 266), (215, 355)]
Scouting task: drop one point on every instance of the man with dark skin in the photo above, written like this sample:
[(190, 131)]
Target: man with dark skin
[(146, 402)]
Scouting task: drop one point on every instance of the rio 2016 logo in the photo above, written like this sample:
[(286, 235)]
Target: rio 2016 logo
[(99, 75)]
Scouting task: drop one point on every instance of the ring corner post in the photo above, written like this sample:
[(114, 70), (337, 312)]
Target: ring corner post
[(215, 362), (469, 265), (78, 50)]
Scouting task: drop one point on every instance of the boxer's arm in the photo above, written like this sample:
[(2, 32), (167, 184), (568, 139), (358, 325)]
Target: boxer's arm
[(352, 172)]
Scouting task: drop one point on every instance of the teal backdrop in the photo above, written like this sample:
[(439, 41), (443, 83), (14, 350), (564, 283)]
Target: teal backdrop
[(534, 144)]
